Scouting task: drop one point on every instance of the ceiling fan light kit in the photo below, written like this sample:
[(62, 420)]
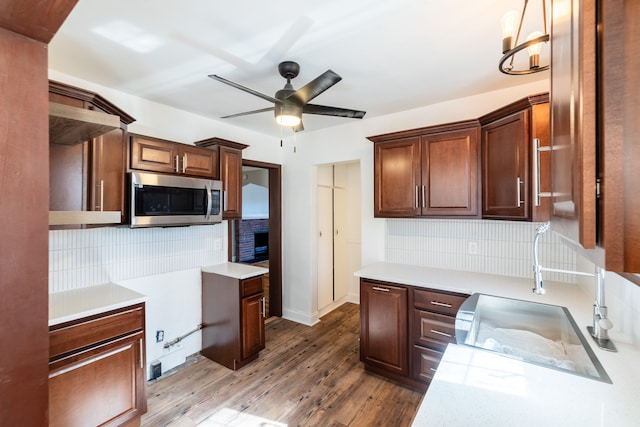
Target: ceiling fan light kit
[(511, 29), (288, 115), (289, 104)]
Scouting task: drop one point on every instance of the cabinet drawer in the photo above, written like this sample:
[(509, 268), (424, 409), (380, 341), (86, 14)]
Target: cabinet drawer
[(93, 330), (438, 302), (251, 286), (425, 361), (430, 327)]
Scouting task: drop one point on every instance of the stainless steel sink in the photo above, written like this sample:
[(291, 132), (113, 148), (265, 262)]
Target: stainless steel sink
[(540, 334)]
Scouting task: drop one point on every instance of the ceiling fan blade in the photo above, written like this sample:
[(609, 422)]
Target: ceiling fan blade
[(245, 89), (246, 113), (333, 111), (315, 87)]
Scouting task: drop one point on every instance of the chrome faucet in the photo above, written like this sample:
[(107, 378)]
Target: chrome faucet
[(537, 268), (601, 323)]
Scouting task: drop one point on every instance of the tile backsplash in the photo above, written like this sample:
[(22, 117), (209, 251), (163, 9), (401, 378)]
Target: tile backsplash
[(501, 247), (89, 257)]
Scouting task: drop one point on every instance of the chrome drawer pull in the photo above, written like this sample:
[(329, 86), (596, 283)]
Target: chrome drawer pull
[(141, 355), (432, 369), (440, 333), (376, 288), (441, 304)]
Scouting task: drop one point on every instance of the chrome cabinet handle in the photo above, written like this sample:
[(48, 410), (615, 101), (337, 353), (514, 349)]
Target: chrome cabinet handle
[(417, 205), (440, 333), (424, 197), (537, 194), (264, 308), (441, 304), (536, 171), (101, 197), (519, 182), (177, 164), (377, 288), (432, 369), (184, 163), (141, 355)]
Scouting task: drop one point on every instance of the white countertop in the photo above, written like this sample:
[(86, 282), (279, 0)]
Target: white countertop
[(75, 304), (475, 387), (235, 270)]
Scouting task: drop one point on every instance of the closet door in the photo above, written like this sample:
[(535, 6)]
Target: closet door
[(325, 246)]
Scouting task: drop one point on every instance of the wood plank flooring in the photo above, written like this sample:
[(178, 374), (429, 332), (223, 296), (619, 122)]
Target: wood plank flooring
[(307, 376)]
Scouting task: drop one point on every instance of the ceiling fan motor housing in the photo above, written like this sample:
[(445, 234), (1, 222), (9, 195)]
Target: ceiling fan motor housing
[(289, 69)]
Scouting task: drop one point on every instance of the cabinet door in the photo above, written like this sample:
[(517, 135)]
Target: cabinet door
[(199, 162), (231, 176), (325, 256), (154, 155), (397, 178), (107, 157), (505, 171), (450, 174), (99, 386), (252, 325), (383, 326)]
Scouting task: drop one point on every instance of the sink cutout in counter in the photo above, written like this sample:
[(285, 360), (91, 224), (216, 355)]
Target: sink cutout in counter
[(541, 334)]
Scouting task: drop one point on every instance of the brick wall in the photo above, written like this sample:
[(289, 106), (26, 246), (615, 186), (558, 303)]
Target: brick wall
[(245, 237)]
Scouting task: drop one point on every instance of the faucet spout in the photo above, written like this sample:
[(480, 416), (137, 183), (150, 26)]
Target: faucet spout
[(538, 287)]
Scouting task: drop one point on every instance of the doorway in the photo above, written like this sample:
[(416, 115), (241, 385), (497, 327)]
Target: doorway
[(257, 238), (338, 238)]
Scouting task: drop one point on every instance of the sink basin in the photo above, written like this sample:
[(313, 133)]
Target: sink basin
[(540, 334)]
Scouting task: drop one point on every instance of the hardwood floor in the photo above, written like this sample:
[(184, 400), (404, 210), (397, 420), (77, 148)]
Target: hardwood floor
[(307, 376)]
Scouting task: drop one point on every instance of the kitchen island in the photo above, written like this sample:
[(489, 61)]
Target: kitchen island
[(477, 387)]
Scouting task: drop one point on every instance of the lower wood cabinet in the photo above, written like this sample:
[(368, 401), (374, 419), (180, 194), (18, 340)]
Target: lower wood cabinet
[(383, 328), (405, 329), (233, 319), (96, 370)]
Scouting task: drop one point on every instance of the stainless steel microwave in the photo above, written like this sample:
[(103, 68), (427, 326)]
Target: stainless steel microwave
[(166, 200)]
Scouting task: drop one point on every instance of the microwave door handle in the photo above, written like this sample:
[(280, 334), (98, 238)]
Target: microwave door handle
[(209, 200)]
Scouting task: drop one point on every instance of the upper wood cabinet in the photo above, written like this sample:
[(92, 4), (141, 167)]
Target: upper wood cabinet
[(230, 155), (594, 125), (159, 155), (514, 171), (88, 176), (430, 171)]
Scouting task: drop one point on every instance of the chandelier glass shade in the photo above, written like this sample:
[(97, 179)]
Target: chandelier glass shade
[(511, 29)]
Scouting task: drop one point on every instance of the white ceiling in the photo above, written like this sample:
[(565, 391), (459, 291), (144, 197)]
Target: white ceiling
[(392, 55)]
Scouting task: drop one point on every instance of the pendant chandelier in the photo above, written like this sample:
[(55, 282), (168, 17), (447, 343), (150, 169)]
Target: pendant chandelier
[(511, 29)]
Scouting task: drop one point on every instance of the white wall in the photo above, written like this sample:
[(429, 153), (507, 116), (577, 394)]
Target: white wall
[(347, 143)]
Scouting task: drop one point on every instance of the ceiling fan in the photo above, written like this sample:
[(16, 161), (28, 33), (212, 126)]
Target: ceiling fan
[(289, 104)]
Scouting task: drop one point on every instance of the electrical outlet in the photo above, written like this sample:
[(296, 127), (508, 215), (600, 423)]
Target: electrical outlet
[(217, 244), (159, 335), (473, 247)]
